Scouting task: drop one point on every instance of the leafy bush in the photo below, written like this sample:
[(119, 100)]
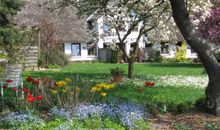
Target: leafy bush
[(158, 57), (55, 58), (180, 55), (154, 56), (181, 127), (114, 56), (116, 71), (211, 126), (169, 60)]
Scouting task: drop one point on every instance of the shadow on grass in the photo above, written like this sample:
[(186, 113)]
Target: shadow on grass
[(62, 75), (178, 65)]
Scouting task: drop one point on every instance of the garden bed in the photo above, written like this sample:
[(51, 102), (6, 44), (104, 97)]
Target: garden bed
[(54, 98)]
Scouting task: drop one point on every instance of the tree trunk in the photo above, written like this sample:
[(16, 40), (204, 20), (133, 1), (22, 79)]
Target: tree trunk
[(130, 67), (203, 49)]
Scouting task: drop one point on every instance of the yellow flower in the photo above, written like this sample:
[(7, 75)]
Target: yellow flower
[(61, 83), (54, 91), (77, 89), (68, 80), (111, 85), (72, 92), (93, 89), (103, 94), (64, 90)]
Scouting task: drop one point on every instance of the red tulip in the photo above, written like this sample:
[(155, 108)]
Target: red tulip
[(30, 98), (8, 81), (29, 95), (149, 84), (14, 89), (29, 79), (39, 98), (25, 90), (35, 82)]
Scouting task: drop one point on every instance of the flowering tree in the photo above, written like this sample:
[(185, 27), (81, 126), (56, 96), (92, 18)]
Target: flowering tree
[(146, 15), (204, 51), (210, 28), (124, 17)]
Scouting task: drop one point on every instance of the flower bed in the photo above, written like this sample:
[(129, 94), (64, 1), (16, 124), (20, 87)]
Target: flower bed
[(81, 102), (121, 116)]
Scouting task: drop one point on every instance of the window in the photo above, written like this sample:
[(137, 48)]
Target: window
[(91, 25), (164, 48), (76, 49), (106, 28)]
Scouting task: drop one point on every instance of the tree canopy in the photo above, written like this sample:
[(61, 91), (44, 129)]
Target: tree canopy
[(10, 35), (210, 28)]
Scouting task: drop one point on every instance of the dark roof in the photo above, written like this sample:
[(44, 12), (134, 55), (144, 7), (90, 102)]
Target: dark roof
[(69, 27)]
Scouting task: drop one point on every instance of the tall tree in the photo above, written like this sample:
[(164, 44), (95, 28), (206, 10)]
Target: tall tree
[(204, 51), (10, 36), (123, 18)]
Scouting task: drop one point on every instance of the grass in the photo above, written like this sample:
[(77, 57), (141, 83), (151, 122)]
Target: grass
[(161, 99), (102, 70)]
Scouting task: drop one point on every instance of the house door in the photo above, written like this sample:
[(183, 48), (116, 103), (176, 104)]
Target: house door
[(76, 50)]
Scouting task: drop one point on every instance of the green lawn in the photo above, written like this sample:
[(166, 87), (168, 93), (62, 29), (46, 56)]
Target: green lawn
[(101, 69), (161, 99)]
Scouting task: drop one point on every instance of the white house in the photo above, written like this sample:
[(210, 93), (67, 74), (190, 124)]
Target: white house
[(76, 35), (107, 37), (166, 38)]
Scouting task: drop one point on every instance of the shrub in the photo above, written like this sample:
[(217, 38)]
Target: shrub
[(211, 126), (116, 71), (169, 60), (180, 55), (158, 57), (55, 58), (114, 56)]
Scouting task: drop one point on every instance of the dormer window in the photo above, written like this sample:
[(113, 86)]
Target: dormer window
[(106, 28), (90, 25)]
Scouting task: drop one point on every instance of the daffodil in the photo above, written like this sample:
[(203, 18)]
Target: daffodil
[(54, 91), (68, 80), (61, 83), (103, 94), (77, 89), (72, 92), (64, 90)]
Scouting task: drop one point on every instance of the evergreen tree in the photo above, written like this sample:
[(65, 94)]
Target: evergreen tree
[(10, 36)]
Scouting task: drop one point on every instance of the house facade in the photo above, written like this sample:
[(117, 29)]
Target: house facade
[(107, 37), (81, 38)]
